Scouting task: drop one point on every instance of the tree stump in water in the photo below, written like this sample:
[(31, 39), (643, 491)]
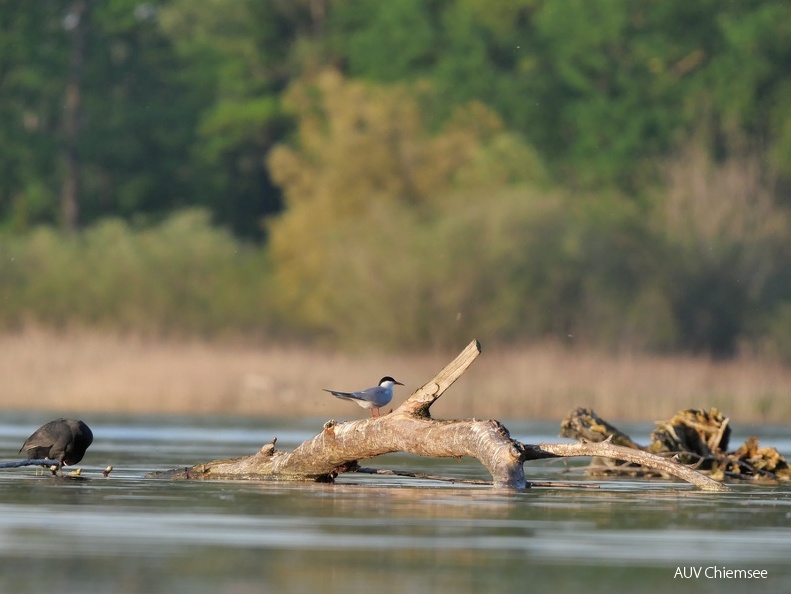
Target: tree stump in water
[(411, 429)]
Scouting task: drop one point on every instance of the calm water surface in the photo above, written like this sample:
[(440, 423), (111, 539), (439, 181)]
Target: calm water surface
[(128, 533)]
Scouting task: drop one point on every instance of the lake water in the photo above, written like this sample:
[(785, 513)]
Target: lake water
[(127, 533)]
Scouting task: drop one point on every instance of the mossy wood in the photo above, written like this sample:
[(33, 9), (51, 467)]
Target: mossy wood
[(411, 429)]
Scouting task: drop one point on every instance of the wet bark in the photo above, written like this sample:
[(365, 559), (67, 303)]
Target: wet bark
[(411, 429)]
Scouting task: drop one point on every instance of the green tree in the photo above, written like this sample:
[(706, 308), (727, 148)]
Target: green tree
[(139, 118), (405, 237), (364, 177), (240, 54), (33, 62), (604, 89), (136, 116)]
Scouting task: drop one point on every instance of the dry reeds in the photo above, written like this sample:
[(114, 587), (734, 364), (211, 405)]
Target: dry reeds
[(90, 372)]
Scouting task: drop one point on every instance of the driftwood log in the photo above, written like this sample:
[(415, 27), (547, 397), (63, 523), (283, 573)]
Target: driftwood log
[(411, 429)]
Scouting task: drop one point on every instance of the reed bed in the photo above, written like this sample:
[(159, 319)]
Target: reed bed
[(81, 371)]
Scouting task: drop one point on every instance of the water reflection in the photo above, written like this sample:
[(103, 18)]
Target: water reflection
[(126, 533)]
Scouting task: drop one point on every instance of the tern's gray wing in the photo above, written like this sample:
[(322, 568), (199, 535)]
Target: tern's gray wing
[(379, 396)]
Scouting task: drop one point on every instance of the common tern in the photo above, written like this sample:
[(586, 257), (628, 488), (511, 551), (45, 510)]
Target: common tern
[(372, 398)]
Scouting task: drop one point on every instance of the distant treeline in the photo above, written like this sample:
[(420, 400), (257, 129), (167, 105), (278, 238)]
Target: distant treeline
[(612, 174)]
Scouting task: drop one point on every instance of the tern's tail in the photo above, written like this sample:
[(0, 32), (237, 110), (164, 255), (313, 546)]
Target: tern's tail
[(343, 395)]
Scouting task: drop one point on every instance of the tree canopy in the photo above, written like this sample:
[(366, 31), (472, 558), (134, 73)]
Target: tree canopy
[(608, 172)]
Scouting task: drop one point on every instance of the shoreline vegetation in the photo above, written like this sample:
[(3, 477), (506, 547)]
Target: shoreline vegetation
[(225, 196), (89, 371)]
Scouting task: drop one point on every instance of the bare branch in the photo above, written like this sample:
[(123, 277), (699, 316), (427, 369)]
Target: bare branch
[(606, 449)]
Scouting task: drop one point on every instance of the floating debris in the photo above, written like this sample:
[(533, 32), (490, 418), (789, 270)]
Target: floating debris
[(695, 437)]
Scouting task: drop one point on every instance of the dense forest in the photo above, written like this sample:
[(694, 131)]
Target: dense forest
[(607, 174)]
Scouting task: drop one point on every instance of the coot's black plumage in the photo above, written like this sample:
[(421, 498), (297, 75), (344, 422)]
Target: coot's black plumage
[(64, 440)]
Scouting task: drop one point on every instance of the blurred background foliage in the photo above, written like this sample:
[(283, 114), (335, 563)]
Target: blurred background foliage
[(607, 174)]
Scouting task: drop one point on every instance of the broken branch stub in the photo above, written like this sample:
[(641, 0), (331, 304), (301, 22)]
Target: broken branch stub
[(422, 399)]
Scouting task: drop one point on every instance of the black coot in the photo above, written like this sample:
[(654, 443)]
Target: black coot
[(64, 440)]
